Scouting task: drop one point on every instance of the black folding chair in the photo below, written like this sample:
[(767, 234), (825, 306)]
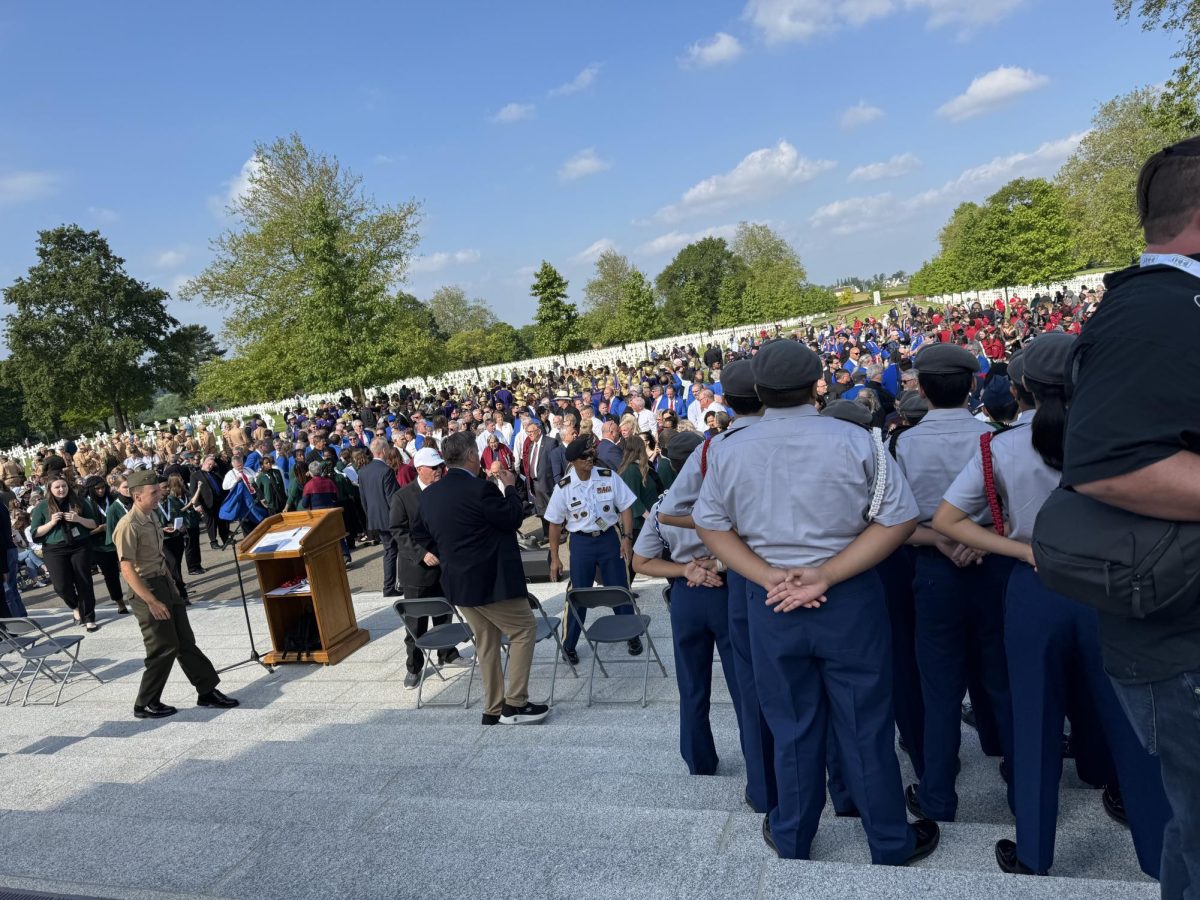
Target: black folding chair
[(547, 627), (613, 629), (437, 639), (37, 648)]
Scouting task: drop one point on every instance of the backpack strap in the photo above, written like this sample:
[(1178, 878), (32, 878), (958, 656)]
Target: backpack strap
[(989, 482)]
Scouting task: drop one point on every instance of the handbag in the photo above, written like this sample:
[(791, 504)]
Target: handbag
[(1119, 562)]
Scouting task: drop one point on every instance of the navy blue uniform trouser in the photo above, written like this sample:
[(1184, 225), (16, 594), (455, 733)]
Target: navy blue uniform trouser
[(587, 554), (960, 622), (699, 623), (832, 664), (758, 748), (896, 572), (1052, 641)]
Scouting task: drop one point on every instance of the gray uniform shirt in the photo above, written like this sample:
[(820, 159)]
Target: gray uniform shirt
[(681, 543), (934, 451), (1023, 482), (679, 500), (797, 487)]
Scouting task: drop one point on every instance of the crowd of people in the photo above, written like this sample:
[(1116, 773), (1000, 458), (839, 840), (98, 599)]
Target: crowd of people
[(845, 512)]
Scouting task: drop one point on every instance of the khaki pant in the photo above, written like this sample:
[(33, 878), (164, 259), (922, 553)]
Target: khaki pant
[(514, 618)]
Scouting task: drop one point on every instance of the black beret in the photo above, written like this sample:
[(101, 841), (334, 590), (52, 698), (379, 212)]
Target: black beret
[(945, 359), (737, 379), (681, 446), (848, 411), (578, 448), (785, 365), (1045, 359), (1016, 367), (912, 406)]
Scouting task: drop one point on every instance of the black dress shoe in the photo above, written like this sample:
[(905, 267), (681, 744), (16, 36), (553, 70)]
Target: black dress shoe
[(968, 715), (217, 699), (851, 813), (767, 836), (1114, 804), (449, 658), (153, 711), (635, 647), (412, 679), (928, 834), (1006, 859), (913, 804), (197, 571), (214, 545), (571, 656), (489, 719)]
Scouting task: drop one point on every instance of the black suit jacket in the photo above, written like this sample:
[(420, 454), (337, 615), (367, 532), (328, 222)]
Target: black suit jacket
[(472, 528), (405, 510), (376, 487), (542, 478), (210, 498)]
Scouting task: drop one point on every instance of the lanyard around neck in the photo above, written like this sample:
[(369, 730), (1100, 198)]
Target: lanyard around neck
[(1174, 260)]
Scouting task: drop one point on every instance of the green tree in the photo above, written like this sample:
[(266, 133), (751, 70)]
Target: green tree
[(602, 296), (178, 361), (774, 274), (308, 274), (13, 426), (816, 300), (690, 285), (556, 319), (730, 309), (1099, 180), (1182, 16), (1026, 235), (637, 316), (453, 312), (83, 332)]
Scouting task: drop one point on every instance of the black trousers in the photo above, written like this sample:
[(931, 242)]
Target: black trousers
[(415, 657), (390, 554), (110, 568), (215, 526), (193, 548), (70, 568), (168, 640), (173, 553)]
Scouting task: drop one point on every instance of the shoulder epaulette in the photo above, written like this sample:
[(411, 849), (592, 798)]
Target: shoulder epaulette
[(564, 481), (605, 472)]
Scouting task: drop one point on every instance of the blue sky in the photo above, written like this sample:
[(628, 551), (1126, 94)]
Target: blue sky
[(551, 130)]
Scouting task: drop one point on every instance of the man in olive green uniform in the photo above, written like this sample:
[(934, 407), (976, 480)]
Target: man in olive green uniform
[(159, 609)]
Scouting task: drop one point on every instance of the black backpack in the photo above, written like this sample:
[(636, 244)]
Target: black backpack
[(1119, 562)]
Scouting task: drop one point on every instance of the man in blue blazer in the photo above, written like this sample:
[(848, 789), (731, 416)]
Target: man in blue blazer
[(472, 529)]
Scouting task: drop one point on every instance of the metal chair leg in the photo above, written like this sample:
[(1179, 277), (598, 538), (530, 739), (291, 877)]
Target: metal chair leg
[(470, 679), (657, 658), (591, 677)]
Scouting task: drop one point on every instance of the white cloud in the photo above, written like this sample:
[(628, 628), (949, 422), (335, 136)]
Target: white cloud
[(901, 164), (382, 159), (593, 251), (170, 259), (176, 285), (861, 113), (103, 214), (513, 112), (721, 48), (435, 262), (236, 187), (782, 21), (885, 210), (761, 173), (676, 240), (582, 164), (584, 79), (991, 90), (966, 15), (17, 187)]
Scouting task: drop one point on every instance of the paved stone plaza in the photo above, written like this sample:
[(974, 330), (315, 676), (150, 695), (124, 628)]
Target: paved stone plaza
[(328, 782)]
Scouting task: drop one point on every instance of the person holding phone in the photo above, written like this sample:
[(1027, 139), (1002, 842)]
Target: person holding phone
[(170, 508), (63, 523)]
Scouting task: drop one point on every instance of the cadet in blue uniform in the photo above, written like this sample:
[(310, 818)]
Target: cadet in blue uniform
[(595, 505), (1052, 641), (676, 508), (795, 506), (959, 593), (699, 618)]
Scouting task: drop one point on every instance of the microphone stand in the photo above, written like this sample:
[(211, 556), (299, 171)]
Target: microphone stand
[(254, 657)]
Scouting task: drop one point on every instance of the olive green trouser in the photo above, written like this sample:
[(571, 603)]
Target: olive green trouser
[(167, 640)]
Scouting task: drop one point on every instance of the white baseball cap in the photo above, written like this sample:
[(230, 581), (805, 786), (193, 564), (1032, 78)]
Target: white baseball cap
[(427, 456)]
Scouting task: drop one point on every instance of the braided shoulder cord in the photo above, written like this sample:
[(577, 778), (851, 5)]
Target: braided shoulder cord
[(880, 486), (989, 482)]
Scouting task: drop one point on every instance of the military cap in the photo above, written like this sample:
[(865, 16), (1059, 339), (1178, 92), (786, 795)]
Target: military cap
[(680, 447), (997, 392), (945, 359), (578, 448), (784, 365), (737, 379), (1016, 367), (142, 478), (848, 411), (1045, 359), (912, 406)]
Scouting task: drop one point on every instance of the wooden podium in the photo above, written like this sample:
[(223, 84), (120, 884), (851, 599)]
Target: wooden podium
[(316, 556)]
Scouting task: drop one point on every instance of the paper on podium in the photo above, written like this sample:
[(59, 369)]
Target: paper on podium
[(281, 541)]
